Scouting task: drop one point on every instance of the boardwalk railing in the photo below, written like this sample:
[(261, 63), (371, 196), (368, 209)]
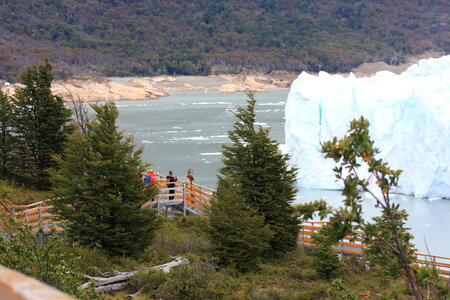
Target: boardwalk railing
[(37, 215), (184, 196), (195, 199), (350, 245), (181, 195)]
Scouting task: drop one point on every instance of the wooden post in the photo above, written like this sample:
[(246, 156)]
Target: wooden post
[(40, 226), (184, 199), (303, 238), (362, 247)]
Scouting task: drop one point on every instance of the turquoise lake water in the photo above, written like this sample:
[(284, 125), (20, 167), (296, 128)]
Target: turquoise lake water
[(187, 131)]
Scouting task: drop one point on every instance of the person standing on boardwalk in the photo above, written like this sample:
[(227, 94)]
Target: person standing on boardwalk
[(171, 178), (190, 175)]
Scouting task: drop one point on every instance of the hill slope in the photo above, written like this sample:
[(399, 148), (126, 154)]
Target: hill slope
[(147, 37)]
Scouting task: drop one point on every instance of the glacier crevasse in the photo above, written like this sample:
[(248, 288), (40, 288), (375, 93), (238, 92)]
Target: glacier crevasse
[(410, 123)]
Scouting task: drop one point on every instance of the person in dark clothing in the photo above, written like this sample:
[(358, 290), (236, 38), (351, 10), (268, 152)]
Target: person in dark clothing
[(171, 178)]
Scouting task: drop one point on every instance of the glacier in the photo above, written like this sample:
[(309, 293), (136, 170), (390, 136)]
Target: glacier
[(409, 115)]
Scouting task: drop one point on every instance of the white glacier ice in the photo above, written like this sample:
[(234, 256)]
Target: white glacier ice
[(410, 123)]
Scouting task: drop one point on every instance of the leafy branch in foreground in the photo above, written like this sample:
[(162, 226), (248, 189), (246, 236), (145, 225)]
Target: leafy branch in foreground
[(388, 235)]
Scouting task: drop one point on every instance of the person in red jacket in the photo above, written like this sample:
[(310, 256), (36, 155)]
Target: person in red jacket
[(153, 176)]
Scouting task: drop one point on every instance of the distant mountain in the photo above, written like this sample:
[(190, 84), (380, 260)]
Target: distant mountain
[(147, 37)]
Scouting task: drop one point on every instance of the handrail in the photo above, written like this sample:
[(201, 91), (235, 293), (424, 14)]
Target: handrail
[(305, 240), (17, 286), (6, 207)]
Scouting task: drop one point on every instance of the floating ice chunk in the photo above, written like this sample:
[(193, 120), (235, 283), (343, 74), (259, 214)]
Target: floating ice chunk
[(211, 153)]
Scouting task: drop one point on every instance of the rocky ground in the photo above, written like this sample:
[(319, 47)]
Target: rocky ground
[(144, 88)]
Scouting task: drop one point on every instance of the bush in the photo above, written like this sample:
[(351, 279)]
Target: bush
[(339, 291), (180, 237), (269, 293), (51, 262), (325, 262), (92, 262), (197, 281), (147, 282)]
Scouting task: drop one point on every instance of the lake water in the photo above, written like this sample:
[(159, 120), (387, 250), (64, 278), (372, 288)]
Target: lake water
[(187, 131)]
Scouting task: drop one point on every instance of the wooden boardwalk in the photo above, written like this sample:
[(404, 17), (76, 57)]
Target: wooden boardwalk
[(355, 246), (186, 198)]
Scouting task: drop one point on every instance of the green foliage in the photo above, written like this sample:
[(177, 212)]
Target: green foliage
[(325, 262), (147, 282), (50, 262), (199, 280), (192, 37), (338, 290), (181, 237), (380, 259), (5, 190), (91, 261), (6, 138), (266, 181), (269, 293), (431, 282), (237, 231), (40, 124), (99, 190)]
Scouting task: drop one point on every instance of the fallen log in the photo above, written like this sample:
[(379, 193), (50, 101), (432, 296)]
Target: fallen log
[(138, 293), (117, 282)]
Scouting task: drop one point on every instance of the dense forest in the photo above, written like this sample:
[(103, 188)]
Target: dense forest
[(147, 37)]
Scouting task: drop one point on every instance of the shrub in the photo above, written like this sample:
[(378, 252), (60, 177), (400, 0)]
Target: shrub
[(325, 262), (177, 238), (268, 293), (200, 280)]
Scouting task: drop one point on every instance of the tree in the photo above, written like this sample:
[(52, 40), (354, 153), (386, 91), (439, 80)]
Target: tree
[(100, 193), (40, 125), (267, 182), (6, 138), (387, 236), (238, 233)]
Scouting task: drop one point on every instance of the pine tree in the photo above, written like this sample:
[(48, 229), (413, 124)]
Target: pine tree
[(237, 231), (100, 190), (40, 125), (266, 179), (6, 139)]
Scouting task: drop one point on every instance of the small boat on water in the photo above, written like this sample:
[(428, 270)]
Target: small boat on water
[(232, 108)]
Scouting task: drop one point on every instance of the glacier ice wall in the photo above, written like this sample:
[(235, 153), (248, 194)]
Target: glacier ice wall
[(410, 123)]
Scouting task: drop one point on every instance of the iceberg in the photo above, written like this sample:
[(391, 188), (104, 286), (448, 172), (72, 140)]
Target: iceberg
[(409, 115)]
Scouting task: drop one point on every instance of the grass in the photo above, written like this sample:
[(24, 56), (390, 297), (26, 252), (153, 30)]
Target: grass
[(13, 193)]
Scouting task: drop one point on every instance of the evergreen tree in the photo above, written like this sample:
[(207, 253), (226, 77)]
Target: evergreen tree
[(6, 139), (40, 125), (237, 231), (99, 189), (266, 180)]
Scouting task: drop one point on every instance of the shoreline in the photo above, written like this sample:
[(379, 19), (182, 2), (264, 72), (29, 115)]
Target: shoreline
[(92, 89)]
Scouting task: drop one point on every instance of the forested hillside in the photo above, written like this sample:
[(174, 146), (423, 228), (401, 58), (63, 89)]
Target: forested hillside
[(147, 37)]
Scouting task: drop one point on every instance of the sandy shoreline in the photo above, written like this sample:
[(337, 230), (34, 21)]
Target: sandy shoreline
[(89, 89)]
